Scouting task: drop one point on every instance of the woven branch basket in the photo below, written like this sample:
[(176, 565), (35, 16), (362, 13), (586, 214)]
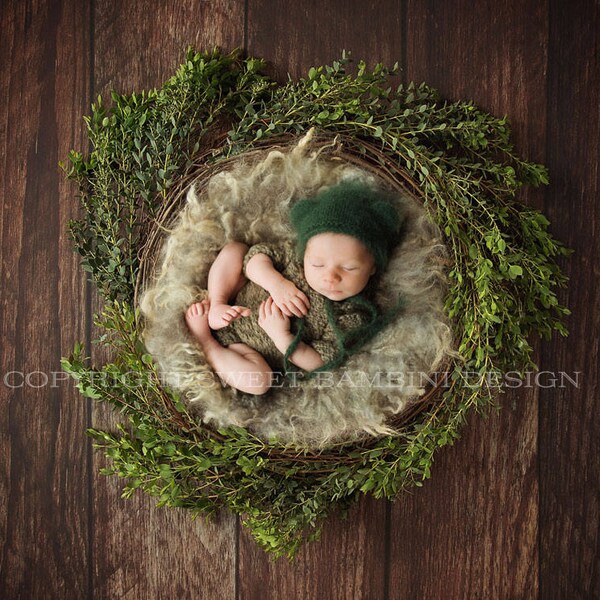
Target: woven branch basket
[(362, 154)]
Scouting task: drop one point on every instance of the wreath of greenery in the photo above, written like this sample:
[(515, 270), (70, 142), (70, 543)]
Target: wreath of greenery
[(456, 158)]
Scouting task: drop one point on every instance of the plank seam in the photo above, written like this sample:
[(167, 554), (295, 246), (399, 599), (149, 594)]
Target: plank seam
[(88, 338), (540, 394), (245, 40)]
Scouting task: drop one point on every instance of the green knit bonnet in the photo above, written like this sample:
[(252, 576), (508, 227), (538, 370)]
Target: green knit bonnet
[(366, 213), (351, 208)]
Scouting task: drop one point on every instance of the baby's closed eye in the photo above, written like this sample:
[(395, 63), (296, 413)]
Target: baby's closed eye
[(345, 268)]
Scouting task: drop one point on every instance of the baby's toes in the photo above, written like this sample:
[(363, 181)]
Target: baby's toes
[(198, 309), (235, 312)]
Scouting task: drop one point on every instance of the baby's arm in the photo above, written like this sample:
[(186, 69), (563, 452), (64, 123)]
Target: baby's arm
[(304, 356), (290, 300), (277, 327)]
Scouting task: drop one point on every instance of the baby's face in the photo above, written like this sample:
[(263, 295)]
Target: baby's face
[(337, 266)]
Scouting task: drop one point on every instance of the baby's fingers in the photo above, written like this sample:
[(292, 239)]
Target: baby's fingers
[(284, 308), (304, 298), (275, 310), (294, 310), (261, 311), (301, 306)]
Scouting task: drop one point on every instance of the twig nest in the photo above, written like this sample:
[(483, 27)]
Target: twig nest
[(447, 162), (249, 201)]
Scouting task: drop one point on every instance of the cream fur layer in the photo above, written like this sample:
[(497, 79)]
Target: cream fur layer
[(249, 202)]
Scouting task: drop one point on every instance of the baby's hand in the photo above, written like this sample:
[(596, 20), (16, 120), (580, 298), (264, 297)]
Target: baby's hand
[(289, 299), (275, 324)]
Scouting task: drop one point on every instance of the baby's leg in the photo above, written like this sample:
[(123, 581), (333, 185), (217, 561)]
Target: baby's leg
[(225, 280), (238, 365)]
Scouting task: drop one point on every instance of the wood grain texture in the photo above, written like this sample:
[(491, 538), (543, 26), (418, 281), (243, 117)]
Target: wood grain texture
[(293, 36), (494, 53), (141, 551), (143, 42), (475, 523), (569, 416), (347, 563), (349, 560), (43, 511), (512, 509), (471, 531)]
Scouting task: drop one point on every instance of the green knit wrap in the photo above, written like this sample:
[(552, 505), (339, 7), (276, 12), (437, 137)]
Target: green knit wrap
[(352, 208), (349, 342)]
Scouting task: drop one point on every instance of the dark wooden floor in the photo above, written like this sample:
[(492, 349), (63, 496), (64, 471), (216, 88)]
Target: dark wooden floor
[(511, 511)]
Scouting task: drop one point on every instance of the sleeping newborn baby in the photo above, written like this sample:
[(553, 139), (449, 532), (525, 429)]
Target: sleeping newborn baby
[(272, 306)]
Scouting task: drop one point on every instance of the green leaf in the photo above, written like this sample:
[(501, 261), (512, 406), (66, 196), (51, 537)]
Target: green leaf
[(150, 141), (515, 271)]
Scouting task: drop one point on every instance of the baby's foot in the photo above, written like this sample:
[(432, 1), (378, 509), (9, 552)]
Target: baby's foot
[(196, 318), (221, 315)]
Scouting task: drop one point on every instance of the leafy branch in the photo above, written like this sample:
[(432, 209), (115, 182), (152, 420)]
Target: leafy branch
[(503, 279)]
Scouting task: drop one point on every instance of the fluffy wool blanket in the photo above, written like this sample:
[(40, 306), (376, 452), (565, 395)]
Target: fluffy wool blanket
[(249, 202)]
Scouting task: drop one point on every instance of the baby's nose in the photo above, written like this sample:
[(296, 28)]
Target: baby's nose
[(331, 276)]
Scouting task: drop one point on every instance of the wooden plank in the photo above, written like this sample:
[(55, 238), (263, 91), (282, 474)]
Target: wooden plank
[(472, 530), (569, 419), (466, 533), (298, 35), (141, 551), (293, 38), (346, 563), (141, 43), (44, 69)]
